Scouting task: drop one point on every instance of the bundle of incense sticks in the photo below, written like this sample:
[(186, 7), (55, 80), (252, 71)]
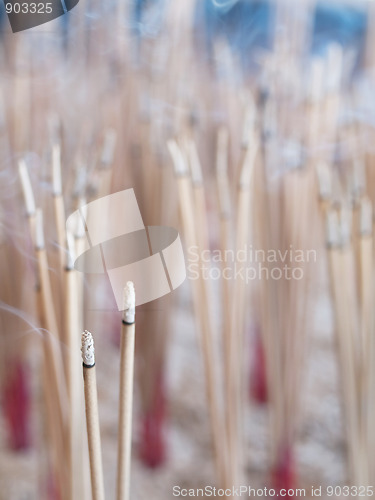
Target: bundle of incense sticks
[(350, 256), (249, 153)]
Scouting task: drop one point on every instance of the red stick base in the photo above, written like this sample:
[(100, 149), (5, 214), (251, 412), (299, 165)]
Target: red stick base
[(52, 488), (16, 399), (258, 376), (153, 446), (284, 473)]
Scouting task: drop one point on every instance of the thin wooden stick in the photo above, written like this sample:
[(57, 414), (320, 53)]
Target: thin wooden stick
[(28, 195), (53, 419), (73, 378), (126, 394), (199, 195), (238, 305), (58, 204), (338, 258), (27, 189), (92, 416), (366, 272), (225, 243), (55, 384), (58, 379)]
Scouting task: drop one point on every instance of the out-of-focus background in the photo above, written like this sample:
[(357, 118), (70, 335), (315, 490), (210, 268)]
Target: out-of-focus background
[(249, 127)]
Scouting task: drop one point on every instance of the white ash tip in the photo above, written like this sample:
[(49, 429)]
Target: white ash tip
[(346, 216), (178, 159), (70, 252), (129, 302), (88, 349), (56, 170), (366, 217), (195, 165), (39, 231), (80, 229), (248, 165), (26, 187)]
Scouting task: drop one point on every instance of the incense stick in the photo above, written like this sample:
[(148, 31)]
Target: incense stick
[(349, 389), (126, 394), (223, 191), (73, 378), (238, 303), (92, 416)]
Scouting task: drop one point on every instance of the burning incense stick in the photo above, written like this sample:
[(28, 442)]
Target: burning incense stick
[(92, 416), (126, 393)]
